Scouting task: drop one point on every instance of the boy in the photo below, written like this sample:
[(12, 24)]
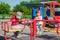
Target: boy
[(39, 23), (16, 24)]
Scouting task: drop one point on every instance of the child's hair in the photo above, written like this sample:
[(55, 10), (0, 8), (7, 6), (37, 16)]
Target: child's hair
[(19, 15), (37, 10)]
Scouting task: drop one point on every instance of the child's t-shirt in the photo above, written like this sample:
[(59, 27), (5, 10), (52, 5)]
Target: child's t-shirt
[(39, 18), (14, 21)]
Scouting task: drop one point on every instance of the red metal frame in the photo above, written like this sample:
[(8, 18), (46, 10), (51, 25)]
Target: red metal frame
[(33, 31), (7, 28)]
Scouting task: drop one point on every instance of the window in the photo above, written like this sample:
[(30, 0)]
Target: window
[(57, 13)]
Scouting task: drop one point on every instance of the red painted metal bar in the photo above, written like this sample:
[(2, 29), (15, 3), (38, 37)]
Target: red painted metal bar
[(34, 27), (56, 3), (8, 27), (24, 24), (31, 31), (35, 30), (57, 29), (41, 20), (2, 25), (5, 38)]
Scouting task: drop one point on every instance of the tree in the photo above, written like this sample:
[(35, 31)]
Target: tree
[(25, 9), (23, 2), (35, 1), (4, 8), (58, 0)]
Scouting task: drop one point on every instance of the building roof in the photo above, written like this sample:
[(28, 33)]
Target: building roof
[(33, 5), (40, 4), (47, 2)]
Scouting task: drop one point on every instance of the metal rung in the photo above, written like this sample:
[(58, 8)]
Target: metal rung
[(14, 30)]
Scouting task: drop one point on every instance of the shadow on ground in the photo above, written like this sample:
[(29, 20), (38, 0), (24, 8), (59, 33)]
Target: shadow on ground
[(44, 37), (1, 38), (48, 37)]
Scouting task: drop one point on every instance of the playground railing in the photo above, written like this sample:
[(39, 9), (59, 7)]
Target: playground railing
[(33, 30)]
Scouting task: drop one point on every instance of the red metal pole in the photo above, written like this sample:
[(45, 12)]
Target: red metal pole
[(24, 24), (8, 27), (31, 31), (4, 26), (35, 29), (57, 29), (5, 38), (2, 23), (54, 9)]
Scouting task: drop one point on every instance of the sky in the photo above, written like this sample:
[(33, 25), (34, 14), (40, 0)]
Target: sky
[(12, 3)]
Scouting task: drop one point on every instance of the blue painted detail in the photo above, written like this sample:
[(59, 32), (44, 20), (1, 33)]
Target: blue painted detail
[(48, 12), (42, 11), (34, 13)]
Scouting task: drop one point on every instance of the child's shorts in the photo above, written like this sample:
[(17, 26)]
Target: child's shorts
[(39, 24), (18, 26)]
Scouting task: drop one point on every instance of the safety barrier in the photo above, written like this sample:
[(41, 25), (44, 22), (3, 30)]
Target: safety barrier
[(33, 30)]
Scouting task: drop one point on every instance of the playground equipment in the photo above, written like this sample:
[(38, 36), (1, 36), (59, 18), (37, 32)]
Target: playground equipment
[(33, 28), (52, 5), (53, 9), (6, 28)]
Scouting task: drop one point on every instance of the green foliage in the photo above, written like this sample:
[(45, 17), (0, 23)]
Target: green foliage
[(58, 0), (35, 1), (4, 8), (23, 2), (25, 9), (26, 17)]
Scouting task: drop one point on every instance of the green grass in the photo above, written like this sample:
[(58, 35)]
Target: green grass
[(7, 16), (27, 17)]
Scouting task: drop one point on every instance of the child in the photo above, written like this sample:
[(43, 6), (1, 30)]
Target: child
[(39, 23), (16, 24)]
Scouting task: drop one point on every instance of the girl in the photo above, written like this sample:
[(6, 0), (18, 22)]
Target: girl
[(39, 23)]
